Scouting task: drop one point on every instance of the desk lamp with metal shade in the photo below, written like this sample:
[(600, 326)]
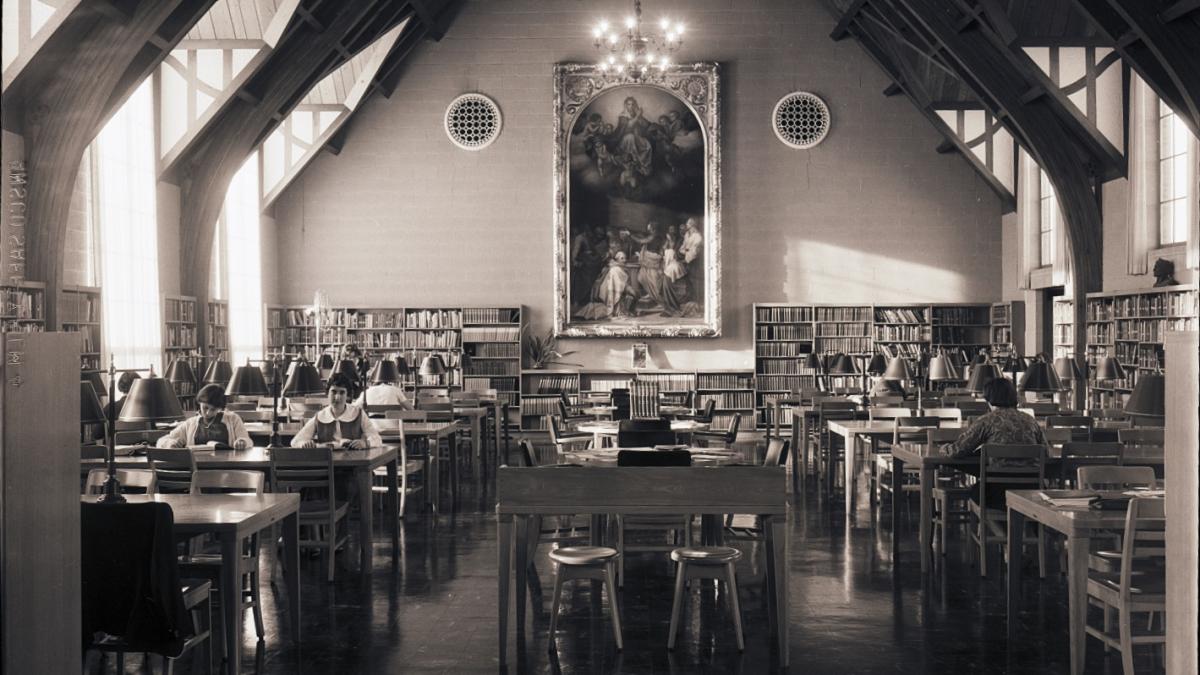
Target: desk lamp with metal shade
[(432, 366), (942, 369), (875, 369), (1109, 370), (1147, 402), (981, 375), (303, 380), (815, 363), (218, 372), (1040, 377), (842, 365), (325, 365), (150, 399), (900, 370), (1069, 372)]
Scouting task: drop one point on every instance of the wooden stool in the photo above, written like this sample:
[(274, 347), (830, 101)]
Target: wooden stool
[(585, 562), (706, 562)]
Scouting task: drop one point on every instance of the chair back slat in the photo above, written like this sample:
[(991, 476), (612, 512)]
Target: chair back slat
[(407, 415), (918, 436), (1107, 477), (1077, 454), (777, 449), (940, 436), (133, 481), (228, 481), (972, 408), (1010, 467), (173, 468), (254, 415), (528, 455), (953, 414), (135, 436), (295, 468), (1080, 425), (1057, 436), (1141, 437), (1144, 540), (884, 414)]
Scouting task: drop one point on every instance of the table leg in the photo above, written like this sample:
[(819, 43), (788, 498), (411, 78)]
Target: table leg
[(595, 530), (799, 461), (777, 571), (476, 444), (521, 566), (392, 501), (928, 476), (433, 481), (848, 459), (231, 601), (366, 519), (291, 569), (452, 453), (1077, 555), (804, 441), (897, 467), (504, 535), (1016, 527)]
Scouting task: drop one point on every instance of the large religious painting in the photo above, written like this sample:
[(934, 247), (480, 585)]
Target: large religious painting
[(637, 204)]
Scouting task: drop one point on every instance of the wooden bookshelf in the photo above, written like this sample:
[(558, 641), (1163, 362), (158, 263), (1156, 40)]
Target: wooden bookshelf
[(1133, 326), (1063, 327), (23, 307), (843, 328), (540, 391), (1007, 328), (80, 311), (301, 330), (963, 327), (783, 338), (179, 342), (903, 329), (217, 321), (733, 391), (491, 337), (275, 330)]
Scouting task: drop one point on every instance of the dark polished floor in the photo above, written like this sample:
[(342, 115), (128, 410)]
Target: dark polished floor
[(855, 608)]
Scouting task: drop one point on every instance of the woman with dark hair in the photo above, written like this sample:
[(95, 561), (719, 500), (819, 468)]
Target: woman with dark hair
[(340, 424), (1003, 425), (211, 425)]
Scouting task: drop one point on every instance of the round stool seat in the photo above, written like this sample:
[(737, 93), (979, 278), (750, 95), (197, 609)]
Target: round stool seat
[(583, 555), (706, 555)]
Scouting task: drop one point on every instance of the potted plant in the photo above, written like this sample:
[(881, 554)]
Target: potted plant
[(543, 351)]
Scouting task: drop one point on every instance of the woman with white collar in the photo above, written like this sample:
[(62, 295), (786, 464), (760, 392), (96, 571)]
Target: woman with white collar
[(339, 424), (211, 426)]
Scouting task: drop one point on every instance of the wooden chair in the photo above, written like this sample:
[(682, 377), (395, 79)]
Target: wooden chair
[(407, 466), (828, 411), (727, 437), (1107, 477), (1080, 425), (207, 565), (300, 411), (407, 415), (972, 408), (133, 481), (1139, 587), (1056, 438), (568, 416), (949, 493), (566, 441), (671, 524), (173, 469), (1143, 447), (564, 527), (991, 519), (1077, 454), (643, 400), (635, 433), (113, 574), (944, 414), (242, 406), (1043, 408), (382, 409), (310, 472), (745, 526), (704, 415), (138, 436)]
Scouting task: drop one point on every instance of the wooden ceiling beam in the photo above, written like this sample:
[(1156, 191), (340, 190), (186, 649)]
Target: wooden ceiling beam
[(1160, 46), (61, 110), (1050, 139)]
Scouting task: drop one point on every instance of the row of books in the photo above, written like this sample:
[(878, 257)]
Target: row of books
[(1000, 314), (722, 421), (79, 308), (554, 384), (843, 314), (180, 310), (843, 329), (218, 313), (433, 318), (1150, 330), (7, 326), (1099, 332), (376, 319), (218, 336), (785, 382), (910, 332), (536, 407), (497, 383), (781, 367), (1064, 312), (960, 335), (377, 340), (788, 314), (601, 383), (479, 367), (19, 304), (777, 349), (724, 381), (1178, 303), (491, 333), (949, 316), (1001, 334), (767, 416), (181, 336), (912, 351), (900, 315), (90, 335), (848, 345), (308, 335), (491, 315), (741, 400), (498, 350), (669, 381), (432, 340), (785, 332)]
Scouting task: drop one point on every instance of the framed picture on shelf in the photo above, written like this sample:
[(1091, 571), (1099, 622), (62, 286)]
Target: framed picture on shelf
[(641, 355), (637, 208)]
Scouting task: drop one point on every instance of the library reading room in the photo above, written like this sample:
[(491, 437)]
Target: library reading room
[(600, 336)]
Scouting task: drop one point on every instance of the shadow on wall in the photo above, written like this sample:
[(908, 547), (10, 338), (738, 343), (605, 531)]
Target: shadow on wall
[(827, 273)]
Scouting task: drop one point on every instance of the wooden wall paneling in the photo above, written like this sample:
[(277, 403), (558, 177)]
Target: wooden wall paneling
[(62, 106), (39, 519), (1182, 472)]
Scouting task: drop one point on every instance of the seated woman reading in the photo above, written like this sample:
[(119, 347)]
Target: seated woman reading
[(339, 424), (211, 425), (1003, 425)]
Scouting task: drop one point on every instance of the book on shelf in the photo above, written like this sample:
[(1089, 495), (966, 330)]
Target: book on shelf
[(670, 381), (554, 384), (491, 315), (826, 314), (899, 315), (785, 332), (497, 350), (431, 339), (19, 303), (785, 314), (491, 333), (728, 400), (433, 318), (79, 307), (724, 381)]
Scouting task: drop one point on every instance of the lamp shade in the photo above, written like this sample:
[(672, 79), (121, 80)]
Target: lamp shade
[(842, 364), (219, 372), (325, 361), (402, 366), (814, 361), (981, 375), (1110, 369), (878, 365), (151, 399), (346, 367), (898, 369), (247, 381), (1147, 397), (1068, 369), (981, 357), (1040, 376), (385, 372), (90, 410), (180, 372), (432, 366), (941, 369), (303, 380), (1015, 363)]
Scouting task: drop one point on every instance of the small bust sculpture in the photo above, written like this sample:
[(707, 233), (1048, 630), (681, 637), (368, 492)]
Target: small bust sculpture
[(1164, 273)]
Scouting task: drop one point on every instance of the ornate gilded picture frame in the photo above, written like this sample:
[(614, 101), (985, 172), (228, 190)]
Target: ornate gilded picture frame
[(637, 211)]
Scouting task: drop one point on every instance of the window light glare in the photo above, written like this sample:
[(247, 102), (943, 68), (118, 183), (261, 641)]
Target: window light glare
[(630, 22)]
